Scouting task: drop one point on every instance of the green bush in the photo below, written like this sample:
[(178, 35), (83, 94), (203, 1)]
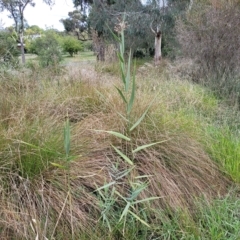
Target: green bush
[(71, 45), (8, 49), (48, 49)]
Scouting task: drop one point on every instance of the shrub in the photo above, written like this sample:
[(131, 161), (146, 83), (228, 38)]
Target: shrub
[(8, 50), (210, 36), (48, 49), (71, 45)]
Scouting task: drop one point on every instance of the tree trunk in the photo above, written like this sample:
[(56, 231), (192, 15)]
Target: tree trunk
[(22, 49), (100, 49), (101, 52), (158, 44)]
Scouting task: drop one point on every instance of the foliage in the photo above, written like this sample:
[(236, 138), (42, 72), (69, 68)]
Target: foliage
[(8, 49), (71, 45), (88, 45), (33, 31), (76, 23), (48, 49)]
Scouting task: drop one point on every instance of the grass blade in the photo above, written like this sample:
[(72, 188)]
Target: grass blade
[(139, 120), (121, 94), (146, 146), (57, 165), (124, 173), (114, 35), (128, 72), (122, 73), (131, 101), (125, 211), (122, 46), (137, 192), (67, 137), (120, 57), (123, 156), (139, 219), (142, 117), (117, 134), (105, 186), (147, 199)]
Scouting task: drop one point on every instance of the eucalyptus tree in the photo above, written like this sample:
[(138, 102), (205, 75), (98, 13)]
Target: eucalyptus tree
[(16, 10), (76, 24)]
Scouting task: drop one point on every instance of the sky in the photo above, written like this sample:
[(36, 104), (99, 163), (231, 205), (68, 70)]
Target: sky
[(42, 15)]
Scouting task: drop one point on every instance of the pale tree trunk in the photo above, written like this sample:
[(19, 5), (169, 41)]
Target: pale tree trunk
[(157, 46), (21, 30), (22, 48)]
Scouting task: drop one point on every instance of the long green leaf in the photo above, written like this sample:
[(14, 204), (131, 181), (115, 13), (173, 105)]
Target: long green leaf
[(122, 73), (120, 57), (123, 117), (117, 134), (120, 195), (123, 42), (137, 192), (139, 219), (57, 165), (143, 176), (107, 221), (126, 172), (125, 211), (123, 156), (146, 200), (105, 186), (121, 54), (67, 137), (128, 72), (142, 117), (146, 146), (121, 94), (131, 101), (139, 120), (114, 35)]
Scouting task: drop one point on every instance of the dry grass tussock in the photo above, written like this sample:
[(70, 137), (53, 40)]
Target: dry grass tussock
[(45, 200)]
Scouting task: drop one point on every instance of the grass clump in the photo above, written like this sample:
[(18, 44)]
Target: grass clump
[(224, 147)]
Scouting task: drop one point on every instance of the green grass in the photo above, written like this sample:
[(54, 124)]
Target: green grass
[(86, 56), (224, 147), (80, 57)]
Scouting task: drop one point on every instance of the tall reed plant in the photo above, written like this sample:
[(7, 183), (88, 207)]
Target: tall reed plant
[(137, 184)]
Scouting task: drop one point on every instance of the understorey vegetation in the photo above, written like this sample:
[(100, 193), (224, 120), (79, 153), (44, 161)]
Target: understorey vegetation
[(143, 154)]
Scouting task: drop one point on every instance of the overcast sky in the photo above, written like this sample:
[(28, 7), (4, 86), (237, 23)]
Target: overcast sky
[(42, 15)]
